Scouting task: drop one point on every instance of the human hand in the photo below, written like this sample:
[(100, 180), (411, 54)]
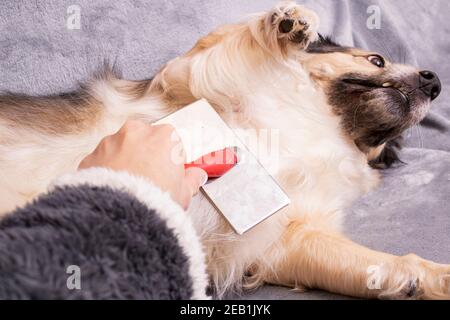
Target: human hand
[(148, 151)]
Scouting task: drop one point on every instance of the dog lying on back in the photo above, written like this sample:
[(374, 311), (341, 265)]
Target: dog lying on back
[(338, 111)]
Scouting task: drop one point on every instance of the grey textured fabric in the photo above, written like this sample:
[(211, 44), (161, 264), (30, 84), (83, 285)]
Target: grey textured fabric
[(123, 249), (409, 213)]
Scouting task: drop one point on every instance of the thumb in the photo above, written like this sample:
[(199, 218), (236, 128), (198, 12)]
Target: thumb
[(194, 178)]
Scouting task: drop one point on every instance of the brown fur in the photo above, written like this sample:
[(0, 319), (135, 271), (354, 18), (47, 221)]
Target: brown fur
[(63, 114)]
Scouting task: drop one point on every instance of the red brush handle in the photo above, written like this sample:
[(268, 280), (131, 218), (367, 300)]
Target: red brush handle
[(216, 163)]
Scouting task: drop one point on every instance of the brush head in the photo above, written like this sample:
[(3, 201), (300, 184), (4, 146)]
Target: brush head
[(243, 192), (245, 195)]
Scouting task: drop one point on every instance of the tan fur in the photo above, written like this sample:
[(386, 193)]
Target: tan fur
[(330, 65), (256, 78), (375, 152)]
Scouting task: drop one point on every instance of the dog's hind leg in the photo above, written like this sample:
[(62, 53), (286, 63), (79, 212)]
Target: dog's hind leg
[(327, 260)]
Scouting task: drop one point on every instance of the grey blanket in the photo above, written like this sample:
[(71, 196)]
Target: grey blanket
[(409, 213)]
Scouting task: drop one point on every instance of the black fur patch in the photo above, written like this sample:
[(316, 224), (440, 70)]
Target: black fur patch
[(371, 114), (325, 45), (389, 156)]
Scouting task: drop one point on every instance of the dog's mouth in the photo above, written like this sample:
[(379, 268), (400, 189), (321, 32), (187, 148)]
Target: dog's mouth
[(387, 85)]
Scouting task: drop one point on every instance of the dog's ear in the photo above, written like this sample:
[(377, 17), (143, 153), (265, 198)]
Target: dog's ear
[(389, 155), (324, 44)]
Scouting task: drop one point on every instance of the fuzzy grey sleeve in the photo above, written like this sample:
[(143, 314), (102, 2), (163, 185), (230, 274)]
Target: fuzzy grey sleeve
[(99, 234)]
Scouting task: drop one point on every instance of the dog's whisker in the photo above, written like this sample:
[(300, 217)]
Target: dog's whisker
[(354, 116), (421, 144), (387, 50), (420, 87), (419, 131)]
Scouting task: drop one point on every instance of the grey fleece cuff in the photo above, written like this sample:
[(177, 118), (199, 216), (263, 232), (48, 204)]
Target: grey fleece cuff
[(155, 199)]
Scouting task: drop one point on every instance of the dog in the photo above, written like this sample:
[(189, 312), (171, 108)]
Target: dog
[(339, 112)]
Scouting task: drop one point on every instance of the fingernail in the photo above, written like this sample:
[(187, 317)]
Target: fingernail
[(204, 178)]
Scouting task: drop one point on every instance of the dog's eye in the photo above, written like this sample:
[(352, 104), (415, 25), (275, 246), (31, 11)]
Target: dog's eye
[(376, 60)]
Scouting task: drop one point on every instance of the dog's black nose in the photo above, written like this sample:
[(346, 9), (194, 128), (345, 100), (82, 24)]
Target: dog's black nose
[(430, 84)]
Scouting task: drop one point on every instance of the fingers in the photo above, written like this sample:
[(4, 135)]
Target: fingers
[(194, 178), (136, 126), (167, 131)]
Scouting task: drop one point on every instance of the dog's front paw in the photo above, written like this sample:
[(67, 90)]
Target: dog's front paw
[(295, 23)]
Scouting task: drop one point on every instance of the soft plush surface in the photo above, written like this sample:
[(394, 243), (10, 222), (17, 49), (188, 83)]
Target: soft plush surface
[(127, 237), (93, 228), (409, 213)]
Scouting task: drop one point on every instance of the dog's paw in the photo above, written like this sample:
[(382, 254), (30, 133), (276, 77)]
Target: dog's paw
[(295, 23), (419, 279), (436, 282)]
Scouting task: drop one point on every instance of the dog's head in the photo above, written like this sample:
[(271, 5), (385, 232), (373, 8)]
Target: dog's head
[(377, 100)]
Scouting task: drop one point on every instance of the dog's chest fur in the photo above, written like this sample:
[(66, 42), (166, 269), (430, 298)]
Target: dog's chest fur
[(316, 164)]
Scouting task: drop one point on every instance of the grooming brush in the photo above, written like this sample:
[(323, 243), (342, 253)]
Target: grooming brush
[(239, 187)]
